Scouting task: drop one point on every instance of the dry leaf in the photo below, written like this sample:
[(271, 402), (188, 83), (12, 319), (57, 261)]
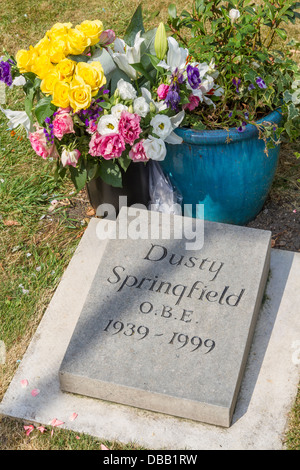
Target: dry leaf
[(90, 212), (10, 223)]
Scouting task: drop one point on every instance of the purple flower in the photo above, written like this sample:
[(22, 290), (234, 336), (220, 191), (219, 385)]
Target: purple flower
[(5, 73), (230, 114), (246, 114), (236, 83), (193, 76), (173, 97), (260, 82), (251, 87), (242, 127)]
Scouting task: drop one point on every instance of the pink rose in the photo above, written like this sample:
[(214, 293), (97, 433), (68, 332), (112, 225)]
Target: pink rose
[(107, 146), (162, 91), (194, 102), (129, 127), (40, 145), (137, 152), (62, 124)]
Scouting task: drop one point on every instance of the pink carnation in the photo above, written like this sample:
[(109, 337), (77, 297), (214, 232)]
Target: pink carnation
[(137, 152), (62, 124), (129, 127), (193, 103), (162, 91), (40, 146), (107, 146), (70, 157)]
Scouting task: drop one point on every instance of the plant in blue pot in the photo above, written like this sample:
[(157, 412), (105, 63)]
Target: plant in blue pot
[(244, 101)]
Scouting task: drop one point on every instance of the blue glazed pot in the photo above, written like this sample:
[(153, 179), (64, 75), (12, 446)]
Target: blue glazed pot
[(227, 171)]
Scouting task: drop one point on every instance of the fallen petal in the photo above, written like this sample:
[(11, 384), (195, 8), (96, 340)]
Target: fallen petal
[(103, 447), (35, 392), (24, 383), (41, 429), (29, 429), (56, 422), (73, 416)]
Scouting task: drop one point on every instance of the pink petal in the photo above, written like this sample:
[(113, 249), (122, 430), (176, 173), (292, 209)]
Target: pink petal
[(56, 422), (24, 383), (52, 433), (77, 437), (41, 428), (73, 416), (35, 392), (29, 429), (102, 447)]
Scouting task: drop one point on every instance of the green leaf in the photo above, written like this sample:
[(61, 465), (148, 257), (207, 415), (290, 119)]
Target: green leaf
[(172, 10), (44, 109), (292, 111), (79, 58), (281, 33), (110, 172), (136, 24), (78, 177), (124, 162), (141, 69)]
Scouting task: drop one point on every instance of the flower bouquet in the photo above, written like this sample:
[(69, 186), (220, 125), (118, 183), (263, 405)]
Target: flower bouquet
[(97, 104)]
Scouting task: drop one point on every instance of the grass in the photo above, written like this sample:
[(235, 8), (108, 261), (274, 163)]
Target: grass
[(36, 243)]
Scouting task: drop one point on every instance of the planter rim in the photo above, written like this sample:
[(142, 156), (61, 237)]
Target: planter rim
[(211, 137)]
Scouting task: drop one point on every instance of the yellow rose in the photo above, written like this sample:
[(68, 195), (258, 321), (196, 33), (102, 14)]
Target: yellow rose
[(101, 79), (23, 60), (59, 29), (48, 82), (66, 67), (42, 47), (57, 49), (92, 74), (77, 42), (91, 29), (42, 66), (61, 94), (80, 94)]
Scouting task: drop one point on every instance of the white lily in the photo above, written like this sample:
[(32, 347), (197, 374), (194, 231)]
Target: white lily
[(16, 119), (124, 55), (176, 56)]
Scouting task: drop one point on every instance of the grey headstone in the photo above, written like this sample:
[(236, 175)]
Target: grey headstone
[(166, 328)]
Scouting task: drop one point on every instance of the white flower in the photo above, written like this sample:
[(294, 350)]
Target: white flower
[(162, 126), (16, 119), (141, 107), (155, 148), (126, 90), (108, 124), (234, 14), (70, 157), (176, 56), (124, 55), (117, 110)]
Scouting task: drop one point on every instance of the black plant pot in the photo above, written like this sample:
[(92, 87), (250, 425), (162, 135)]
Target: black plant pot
[(135, 188)]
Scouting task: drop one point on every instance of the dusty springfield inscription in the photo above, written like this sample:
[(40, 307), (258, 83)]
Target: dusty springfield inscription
[(179, 293)]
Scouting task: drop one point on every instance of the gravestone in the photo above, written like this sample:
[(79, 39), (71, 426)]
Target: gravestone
[(165, 327)]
